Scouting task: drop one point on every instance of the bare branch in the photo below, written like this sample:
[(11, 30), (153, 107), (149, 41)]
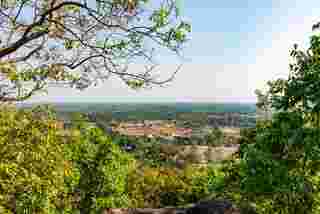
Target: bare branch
[(87, 42)]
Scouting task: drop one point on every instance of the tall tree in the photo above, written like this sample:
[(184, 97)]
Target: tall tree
[(80, 42), (301, 90), (280, 170)]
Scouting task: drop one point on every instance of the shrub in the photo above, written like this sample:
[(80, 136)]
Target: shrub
[(42, 170), (31, 162), (215, 137), (103, 171), (147, 150), (247, 136), (161, 187), (278, 171)]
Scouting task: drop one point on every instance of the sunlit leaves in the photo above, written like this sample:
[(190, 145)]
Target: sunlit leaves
[(301, 89), (160, 17), (178, 35), (104, 170), (175, 35), (31, 166), (162, 186), (182, 30), (135, 84), (71, 44), (40, 28), (285, 156), (72, 8), (118, 32), (280, 163), (7, 67), (44, 171)]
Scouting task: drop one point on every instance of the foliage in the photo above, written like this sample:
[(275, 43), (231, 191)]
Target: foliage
[(101, 171), (247, 136), (147, 150), (160, 187), (81, 43), (31, 162), (281, 166), (215, 137), (300, 91), (79, 120), (279, 171), (47, 170)]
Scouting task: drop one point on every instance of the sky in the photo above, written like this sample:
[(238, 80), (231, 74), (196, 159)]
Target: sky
[(235, 47)]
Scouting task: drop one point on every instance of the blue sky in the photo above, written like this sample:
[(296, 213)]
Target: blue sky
[(235, 47)]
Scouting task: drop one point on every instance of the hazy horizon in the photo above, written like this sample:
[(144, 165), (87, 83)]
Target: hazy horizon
[(142, 102)]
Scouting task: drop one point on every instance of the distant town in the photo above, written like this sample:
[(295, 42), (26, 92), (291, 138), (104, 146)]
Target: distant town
[(186, 126)]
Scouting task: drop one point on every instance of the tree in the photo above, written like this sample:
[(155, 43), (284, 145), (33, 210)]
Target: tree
[(42, 170), (32, 165), (103, 170), (215, 137), (263, 103), (301, 90), (280, 170), (79, 42)]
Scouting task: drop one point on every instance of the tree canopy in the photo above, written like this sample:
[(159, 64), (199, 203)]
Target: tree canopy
[(44, 169), (79, 43), (280, 170), (301, 90)]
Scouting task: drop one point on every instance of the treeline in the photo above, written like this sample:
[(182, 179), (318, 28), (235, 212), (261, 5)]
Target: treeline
[(191, 119)]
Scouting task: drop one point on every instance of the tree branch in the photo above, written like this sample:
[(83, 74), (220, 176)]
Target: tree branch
[(24, 40)]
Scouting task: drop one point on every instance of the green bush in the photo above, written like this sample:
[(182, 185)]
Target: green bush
[(147, 150), (44, 170), (103, 168), (215, 137), (31, 162), (279, 171), (161, 187), (247, 137)]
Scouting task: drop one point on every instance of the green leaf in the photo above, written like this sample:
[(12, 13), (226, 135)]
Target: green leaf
[(72, 8), (71, 44)]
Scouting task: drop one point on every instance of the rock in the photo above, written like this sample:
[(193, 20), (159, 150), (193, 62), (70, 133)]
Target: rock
[(156, 211), (204, 207), (115, 211), (180, 164), (213, 207)]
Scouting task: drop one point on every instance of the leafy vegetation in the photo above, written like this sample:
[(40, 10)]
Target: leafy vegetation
[(161, 187), (280, 170), (103, 169), (146, 150), (44, 171), (215, 137), (31, 163), (106, 38)]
